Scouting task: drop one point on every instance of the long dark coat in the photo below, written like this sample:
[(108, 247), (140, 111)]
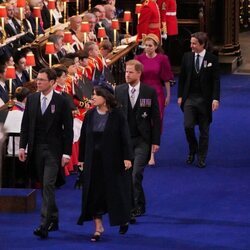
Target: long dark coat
[(116, 147)]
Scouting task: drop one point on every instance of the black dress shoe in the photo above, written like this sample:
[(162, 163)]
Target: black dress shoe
[(41, 231), (201, 163), (190, 158), (123, 228), (53, 226)]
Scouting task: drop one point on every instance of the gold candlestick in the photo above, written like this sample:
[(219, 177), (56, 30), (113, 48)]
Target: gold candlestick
[(21, 17), (127, 28), (10, 87), (3, 30), (77, 7), (89, 5), (10, 94), (36, 27), (114, 38), (84, 37), (51, 20), (30, 69), (65, 11), (50, 60)]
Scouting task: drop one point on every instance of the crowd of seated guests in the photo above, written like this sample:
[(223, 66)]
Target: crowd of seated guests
[(78, 64)]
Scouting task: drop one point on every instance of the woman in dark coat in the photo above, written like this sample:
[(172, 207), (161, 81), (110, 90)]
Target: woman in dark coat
[(106, 152)]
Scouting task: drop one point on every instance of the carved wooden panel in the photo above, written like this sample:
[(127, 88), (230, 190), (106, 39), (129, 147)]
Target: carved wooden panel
[(244, 15)]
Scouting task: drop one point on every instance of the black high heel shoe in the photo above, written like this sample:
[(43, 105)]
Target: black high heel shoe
[(123, 228), (96, 236)]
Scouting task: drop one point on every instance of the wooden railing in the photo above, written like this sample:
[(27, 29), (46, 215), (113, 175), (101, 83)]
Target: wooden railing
[(116, 61)]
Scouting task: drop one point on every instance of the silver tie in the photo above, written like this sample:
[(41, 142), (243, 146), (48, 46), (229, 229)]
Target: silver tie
[(44, 105), (132, 97)]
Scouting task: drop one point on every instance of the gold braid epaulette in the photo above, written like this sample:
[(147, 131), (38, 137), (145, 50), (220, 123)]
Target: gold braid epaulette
[(84, 102)]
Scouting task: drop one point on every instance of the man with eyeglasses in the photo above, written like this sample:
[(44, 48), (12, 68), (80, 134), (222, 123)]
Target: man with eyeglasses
[(47, 130), (91, 19)]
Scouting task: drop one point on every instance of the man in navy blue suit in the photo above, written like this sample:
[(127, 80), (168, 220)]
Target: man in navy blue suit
[(198, 95)]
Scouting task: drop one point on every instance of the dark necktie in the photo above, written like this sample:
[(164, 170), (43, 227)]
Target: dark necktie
[(197, 63)]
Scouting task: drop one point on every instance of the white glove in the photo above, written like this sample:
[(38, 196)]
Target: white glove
[(128, 40), (164, 36), (141, 46)]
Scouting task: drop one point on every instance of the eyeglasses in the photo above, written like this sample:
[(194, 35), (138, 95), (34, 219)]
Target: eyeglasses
[(41, 80)]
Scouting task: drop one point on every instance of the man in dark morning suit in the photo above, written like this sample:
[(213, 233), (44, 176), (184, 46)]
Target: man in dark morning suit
[(141, 109), (22, 75), (47, 130), (12, 27), (198, 95)]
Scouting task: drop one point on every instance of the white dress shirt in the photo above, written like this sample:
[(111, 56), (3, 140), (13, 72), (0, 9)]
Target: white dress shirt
[(136, 93), (201, 54)]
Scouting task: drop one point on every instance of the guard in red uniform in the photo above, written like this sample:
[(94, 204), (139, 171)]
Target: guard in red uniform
[(169, 22), (149, 20)]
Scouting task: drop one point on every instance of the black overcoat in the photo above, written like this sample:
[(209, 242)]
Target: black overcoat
[(116, 147)]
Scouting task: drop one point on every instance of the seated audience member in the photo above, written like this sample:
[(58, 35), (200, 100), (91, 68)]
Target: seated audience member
[(98, 15), (31, 19), (46, 15), (26, 23), (83, 61), (66, 48), (13, 27), (22, 75), (99, 12), (118, 11), (12, 124), (95, 62), (14, 117), (59, 53), (57, 12), (61, 72), (4, 87), (107, 21), (79, 89), (91, 19), (74, 28), (96, 66), (60, 85), (81, 92), (7, 60), (105, 48), (27, 28)]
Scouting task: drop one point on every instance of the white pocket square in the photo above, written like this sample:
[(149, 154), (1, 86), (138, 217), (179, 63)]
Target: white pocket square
[(209, 65)]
